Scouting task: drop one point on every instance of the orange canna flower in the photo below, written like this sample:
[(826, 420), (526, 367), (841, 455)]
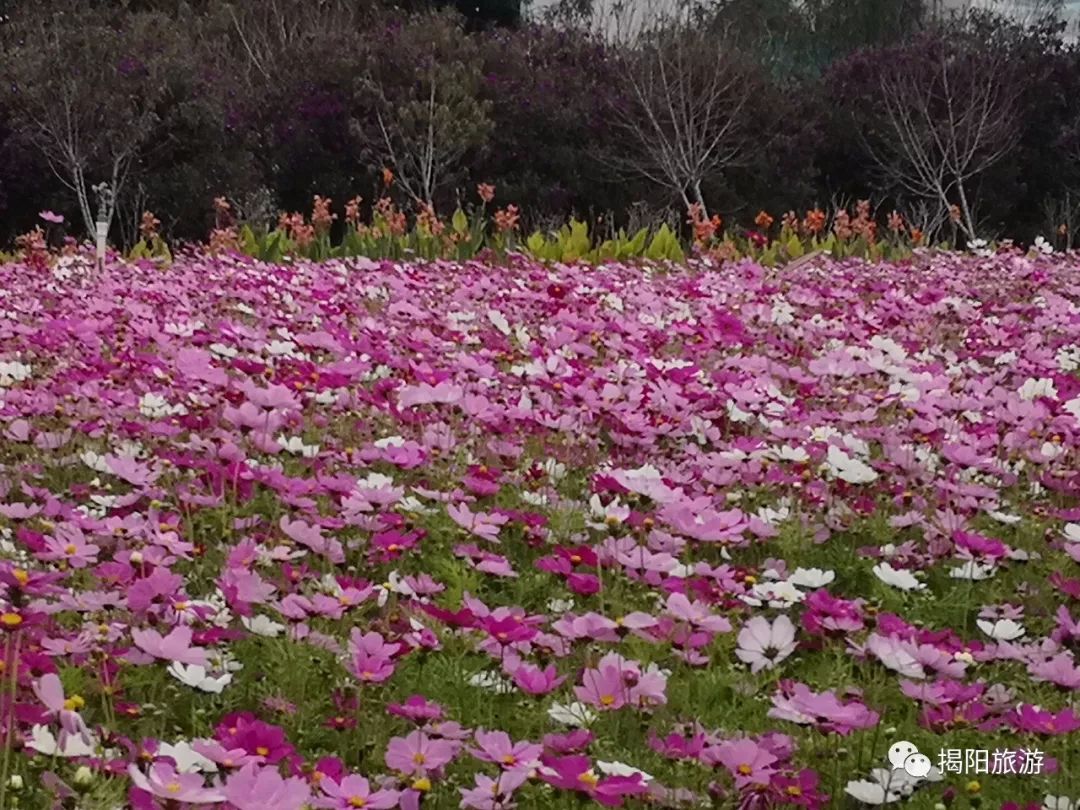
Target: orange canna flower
[(352, 211), (896, 222), (321, 216), (387, 176), (916, 236), (763, 220), (814, 221), (148, 226), (842, 225), (506, 219), (486, 192)]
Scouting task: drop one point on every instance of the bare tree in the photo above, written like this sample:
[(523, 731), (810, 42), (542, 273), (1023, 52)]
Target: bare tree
[(427, 106), (682, 109), (89, 101), (270, 34), (950, 113), (426, 138)]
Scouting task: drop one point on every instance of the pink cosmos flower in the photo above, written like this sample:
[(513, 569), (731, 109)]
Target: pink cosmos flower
[(484, 526), (176, 646), (354, 791), (1031, 719), (371, 656), (576, 773), (70, 546), (535, 681), (493, 794), (748, 762), (49, 216), (696, 613), (1060, 670), (165, 782), (417, 753), (417, 708), (497, 747), (50, 692), (255, 787), (824, 710), (225, 757), (763, 645), (603, 689)]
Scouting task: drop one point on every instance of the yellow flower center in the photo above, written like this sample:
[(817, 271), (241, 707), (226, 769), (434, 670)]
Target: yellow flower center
[(509, 759), (357, 801), (419, 758), (173, 787), (70, 548), (423, 784), (794, 790), (589, 778), (21, 576), (74, 703), (607, 700), (11, 619), (262, 751), (745, 769)]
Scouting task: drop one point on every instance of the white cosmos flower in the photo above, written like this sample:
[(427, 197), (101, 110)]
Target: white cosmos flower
[(491, 682), (789, 453), (12, 371), (1035, 388), (848, 469), (560, 605), (811, 577), (262, 626), (622, 769), (296, 446), (1002, 517), (196, 677), (777, 594), (43, 741), (872, 793), (606, 515), (186, 758), (1002, 629), (897, 577), (575, 714), (973, 571), (394, 584), (1058, 803), (1072, 532), (389, 441), (498, 320)]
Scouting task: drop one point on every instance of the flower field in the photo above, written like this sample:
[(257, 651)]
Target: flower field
[(362, 534)]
